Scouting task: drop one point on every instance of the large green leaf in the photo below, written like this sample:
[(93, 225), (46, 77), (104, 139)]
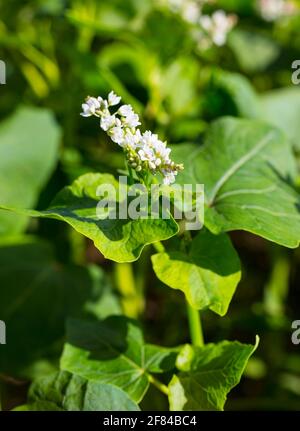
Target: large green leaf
[(207, 273), (28, 154), (37, 295), (63, 391), (121, 240), (113, 351), (246, 168), (208, 374), (181, 74), (281, 108), (232, 94), (264, 50)]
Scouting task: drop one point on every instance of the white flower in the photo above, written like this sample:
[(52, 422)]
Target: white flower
[(217, 26), (154, 150), (107, 121), (131, 121), (191, 12), (130, 118), (175, 4), (132, 139), (169, 178), (271, 10), (162, 152), (205, 22), (113, 99), (125, 110), (146, 154), (149, 139), (90, 106), (100, 100), (117, 135)]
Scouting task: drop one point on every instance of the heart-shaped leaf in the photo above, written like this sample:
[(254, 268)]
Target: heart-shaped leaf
[(281, 108), (113, 351), (66, 392), (121, 240), (264, 50), (232, 94), (246, 167), (207, 273), (209, 373)]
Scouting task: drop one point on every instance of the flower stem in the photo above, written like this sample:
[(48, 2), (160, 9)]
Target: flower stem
[(160, 386), (130, 173), (195, 326)]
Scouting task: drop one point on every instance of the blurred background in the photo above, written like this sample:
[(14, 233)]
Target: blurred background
[(178, 76)]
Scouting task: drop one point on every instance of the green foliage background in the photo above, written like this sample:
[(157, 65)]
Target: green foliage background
[(58, 52)]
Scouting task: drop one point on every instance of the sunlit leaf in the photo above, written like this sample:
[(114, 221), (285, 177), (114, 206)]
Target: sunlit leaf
[(121, 240), (113, 351), (247, 169), (207, 273), (209, 373)]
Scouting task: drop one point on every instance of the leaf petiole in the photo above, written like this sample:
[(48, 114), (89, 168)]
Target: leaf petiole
[(195, 326), (159, 247), (160, 386)]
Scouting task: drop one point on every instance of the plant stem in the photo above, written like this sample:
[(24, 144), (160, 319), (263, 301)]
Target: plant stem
[(78, 247), (276, 289), (195, 326), (131, 300), (160, 386), (159, 247), (129, 169)]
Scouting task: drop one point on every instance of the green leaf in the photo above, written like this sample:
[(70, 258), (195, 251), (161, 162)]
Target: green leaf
[(232, 94), (28, 154), (246, 167), (113, 351), (209, 373), (281, 108), (121, 240), (264, 50), (181, 74), (37, 295), (207, 274), (63, 391), (97, 18)]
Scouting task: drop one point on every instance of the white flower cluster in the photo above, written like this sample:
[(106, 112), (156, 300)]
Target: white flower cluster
[(271, 10), (216, 27), (209, 29), (144, 151), (189, 10)]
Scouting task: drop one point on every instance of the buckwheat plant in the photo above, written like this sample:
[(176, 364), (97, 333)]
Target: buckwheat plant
[(129, 294), (144, 152), (107, 359)]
